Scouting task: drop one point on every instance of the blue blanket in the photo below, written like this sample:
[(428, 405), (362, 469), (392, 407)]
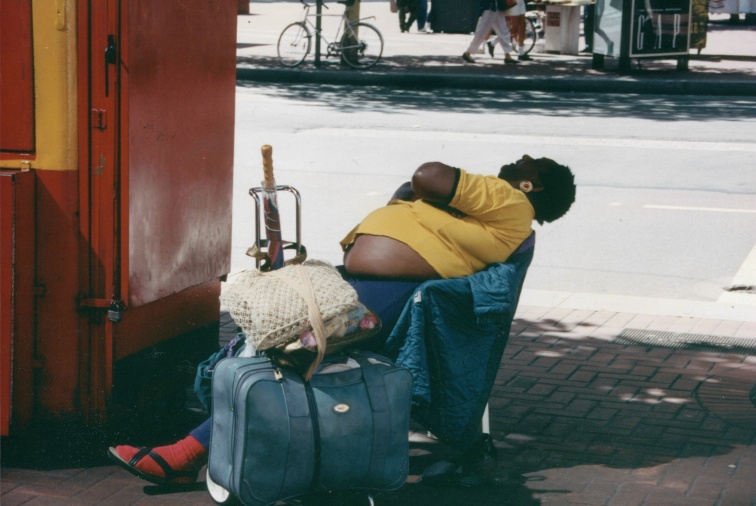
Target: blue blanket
[(451, 335)]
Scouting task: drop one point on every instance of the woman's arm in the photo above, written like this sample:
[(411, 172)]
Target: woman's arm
[(435, 182)]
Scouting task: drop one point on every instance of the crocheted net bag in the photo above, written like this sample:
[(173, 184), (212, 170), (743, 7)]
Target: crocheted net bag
[(271, 313)]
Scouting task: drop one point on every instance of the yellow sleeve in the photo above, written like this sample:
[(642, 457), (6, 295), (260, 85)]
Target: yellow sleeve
[(486, 197)]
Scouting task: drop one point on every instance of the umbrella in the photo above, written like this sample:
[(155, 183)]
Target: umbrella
[(270, 207)]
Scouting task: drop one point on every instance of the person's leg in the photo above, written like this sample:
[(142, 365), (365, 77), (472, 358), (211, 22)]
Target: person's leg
[(384, 298), (175, 464), (422, 15), (202, 433), (402, 13), (411, 15), (517, 26), (588, 21), (513, 23), (481, 32), (466, 55), (499, 25)]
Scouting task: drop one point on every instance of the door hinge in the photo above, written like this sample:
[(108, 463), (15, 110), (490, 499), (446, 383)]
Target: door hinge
[(99, 119)]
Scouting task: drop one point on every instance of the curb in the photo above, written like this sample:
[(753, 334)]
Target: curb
[(428, 80)]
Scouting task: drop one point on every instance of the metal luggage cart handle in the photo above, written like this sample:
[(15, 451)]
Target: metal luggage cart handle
[(261, 243)]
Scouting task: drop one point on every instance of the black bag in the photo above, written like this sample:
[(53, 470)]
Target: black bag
[(276, 436)]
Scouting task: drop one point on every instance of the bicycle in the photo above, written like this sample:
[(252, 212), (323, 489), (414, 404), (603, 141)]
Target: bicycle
[(360, 45)]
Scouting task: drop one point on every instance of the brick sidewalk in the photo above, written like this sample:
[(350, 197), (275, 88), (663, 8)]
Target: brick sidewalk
[(579, 418)]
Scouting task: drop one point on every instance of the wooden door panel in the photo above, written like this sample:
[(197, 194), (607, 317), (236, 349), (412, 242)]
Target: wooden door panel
[(179, 144), (16, 77)]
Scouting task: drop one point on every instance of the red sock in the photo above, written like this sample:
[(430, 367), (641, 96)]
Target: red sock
[(187, 455)]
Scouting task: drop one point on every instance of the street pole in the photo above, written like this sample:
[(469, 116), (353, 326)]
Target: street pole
[(318, 27)]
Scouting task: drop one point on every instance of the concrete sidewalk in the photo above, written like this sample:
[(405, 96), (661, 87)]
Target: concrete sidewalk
[(727, 66), (589, 407)]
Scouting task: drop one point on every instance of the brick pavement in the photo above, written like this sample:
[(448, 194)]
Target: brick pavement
[(578, 418)]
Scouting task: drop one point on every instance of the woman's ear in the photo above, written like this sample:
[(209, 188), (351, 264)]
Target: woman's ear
[(529, 186)]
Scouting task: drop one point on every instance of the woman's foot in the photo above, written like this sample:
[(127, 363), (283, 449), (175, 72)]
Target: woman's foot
[(176, 464), (469, 469), (467, 57), (509, 60)]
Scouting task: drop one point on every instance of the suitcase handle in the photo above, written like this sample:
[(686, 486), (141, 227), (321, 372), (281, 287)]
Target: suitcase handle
[(376, 387)]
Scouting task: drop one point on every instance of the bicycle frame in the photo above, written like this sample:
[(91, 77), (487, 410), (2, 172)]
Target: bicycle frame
[(345, 24)]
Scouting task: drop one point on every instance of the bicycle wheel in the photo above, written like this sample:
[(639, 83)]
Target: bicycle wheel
[(361, 46), (531, 35), (294, 44)]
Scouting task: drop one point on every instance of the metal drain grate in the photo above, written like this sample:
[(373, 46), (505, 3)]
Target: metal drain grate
[(693, 342)]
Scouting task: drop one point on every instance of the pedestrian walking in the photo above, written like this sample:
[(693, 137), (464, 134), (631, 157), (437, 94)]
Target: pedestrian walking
[(516, 23), (407, 13), (516, 20), (492, 17)]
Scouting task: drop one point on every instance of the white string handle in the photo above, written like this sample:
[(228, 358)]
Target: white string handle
[(307, 292)]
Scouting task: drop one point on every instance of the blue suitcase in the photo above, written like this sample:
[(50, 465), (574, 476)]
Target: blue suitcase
[(277, 437)]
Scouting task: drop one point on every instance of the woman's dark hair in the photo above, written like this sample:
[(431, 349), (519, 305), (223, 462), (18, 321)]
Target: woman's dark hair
[(558, 192)]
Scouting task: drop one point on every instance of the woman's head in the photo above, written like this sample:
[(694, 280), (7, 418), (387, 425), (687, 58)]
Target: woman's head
[(550, 187)]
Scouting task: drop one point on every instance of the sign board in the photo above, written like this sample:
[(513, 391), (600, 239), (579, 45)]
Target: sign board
[(553, 19), (659, 27)]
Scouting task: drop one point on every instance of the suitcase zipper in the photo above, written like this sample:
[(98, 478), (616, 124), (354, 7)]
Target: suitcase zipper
[(253, 368), (315, 432)]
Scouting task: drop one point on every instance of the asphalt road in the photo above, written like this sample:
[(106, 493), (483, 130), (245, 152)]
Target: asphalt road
[(666, 206)]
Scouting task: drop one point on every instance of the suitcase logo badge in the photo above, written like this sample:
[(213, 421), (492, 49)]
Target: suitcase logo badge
[(341, 408)]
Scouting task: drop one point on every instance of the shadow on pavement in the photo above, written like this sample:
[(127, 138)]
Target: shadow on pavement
[(567, 399), (572, 410), (360, 99), (148, 406)]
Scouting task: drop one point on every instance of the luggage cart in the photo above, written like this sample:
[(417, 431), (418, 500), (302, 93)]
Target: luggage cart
[(259, 251)]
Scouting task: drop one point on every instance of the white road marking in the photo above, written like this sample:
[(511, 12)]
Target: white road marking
[(533, 140), (746, 276), (707, 209)]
